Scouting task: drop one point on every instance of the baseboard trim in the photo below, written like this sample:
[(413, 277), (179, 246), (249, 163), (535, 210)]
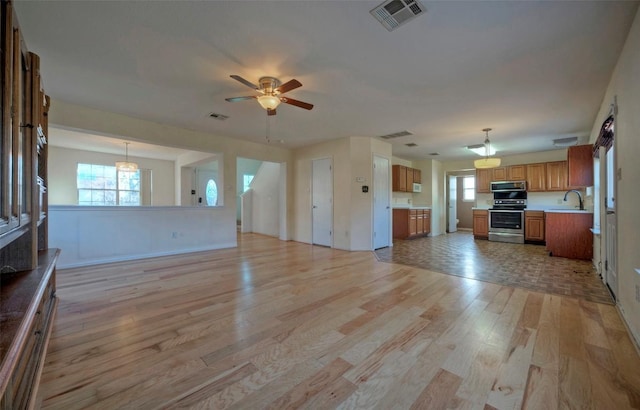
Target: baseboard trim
[(126, 258), (635, 339)]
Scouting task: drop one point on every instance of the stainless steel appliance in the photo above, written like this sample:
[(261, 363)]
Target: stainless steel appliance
[(508, 186), (506, 218)]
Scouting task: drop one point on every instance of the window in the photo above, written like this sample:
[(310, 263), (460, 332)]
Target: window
[(211, 193), (611, 179), (469, 188), (247, 182), (103, 185)]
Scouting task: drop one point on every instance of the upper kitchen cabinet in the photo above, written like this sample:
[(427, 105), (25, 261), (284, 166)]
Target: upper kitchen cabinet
[(417, 176), (404, 177), (580, 166), (557, 176), (399, 178), (517, 173), (499, 174), (483, 180), (536, 177)]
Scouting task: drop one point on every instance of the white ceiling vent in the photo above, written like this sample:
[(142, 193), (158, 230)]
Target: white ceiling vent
[(394, 13), (395, 135)]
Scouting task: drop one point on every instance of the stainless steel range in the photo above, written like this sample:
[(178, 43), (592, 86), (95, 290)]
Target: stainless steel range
[(506, 217)]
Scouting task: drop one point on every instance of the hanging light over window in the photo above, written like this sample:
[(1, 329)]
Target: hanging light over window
[(126, 166), (487, 161)]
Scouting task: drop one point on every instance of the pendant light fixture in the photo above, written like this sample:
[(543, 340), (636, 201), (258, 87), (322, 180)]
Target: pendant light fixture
[(487, 162), (126, 166)]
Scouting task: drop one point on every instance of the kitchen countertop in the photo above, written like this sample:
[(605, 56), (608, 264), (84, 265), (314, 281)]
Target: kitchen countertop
[(568, 211), (410, 207)]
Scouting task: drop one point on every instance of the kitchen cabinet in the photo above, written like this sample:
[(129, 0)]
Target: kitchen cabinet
[(480, 223), (568, 235), (536, 177), (580, 166), (417, 176), (411, 223), (556, 176), (403, 178), (399, 181), (517, 173), (499, 174), (534, 226), (483, 180)]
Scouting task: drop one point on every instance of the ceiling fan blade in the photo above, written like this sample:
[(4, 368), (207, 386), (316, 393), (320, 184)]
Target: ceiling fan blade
[(271, 112), (297, 103), (245, 82), (236, 99), (288, 86)]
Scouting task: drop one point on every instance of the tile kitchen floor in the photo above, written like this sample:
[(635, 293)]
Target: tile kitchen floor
[(520, 265)]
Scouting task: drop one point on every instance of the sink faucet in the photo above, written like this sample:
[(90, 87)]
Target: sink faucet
[(579, 197)]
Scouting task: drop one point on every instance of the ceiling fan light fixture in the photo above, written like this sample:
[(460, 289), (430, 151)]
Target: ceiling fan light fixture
[(269, 102), (487, 161)]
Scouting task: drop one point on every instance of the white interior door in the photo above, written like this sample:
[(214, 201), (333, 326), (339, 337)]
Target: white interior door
[(322, 202), (608, 190), (453, 204), (206, 188), (381, 203)]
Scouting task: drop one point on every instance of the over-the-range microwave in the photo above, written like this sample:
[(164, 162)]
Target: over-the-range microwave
[(508, 186)]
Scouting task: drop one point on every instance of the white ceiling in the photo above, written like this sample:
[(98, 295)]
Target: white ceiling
[(533, 71)]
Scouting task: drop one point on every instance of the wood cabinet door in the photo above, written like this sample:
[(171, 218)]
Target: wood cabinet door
[(420, 223), (483, 180), (417, 176), (517, 173), (413, 223), (409, 179), (580, 166), (399, 178), (536, 177), (557, 176), (427, 221), (481, 223), (499, 174), (534, 226)]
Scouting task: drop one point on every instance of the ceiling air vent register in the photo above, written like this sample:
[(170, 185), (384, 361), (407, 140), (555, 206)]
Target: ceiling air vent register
[(395, 13), (395, 135)]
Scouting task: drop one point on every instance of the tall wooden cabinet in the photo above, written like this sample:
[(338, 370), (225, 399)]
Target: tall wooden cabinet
[(580, 166), (27, 267)]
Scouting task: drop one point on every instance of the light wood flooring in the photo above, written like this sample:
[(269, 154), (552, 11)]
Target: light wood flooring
[(286, 325)]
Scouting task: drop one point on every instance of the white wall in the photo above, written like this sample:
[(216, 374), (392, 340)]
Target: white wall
[(625, 85), (93, 235), (265, 200), (63, 162), (72, 116), (352, 209), (244, 166)]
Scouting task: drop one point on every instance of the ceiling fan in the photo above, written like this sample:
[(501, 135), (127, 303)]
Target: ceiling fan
[(271, 90)]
